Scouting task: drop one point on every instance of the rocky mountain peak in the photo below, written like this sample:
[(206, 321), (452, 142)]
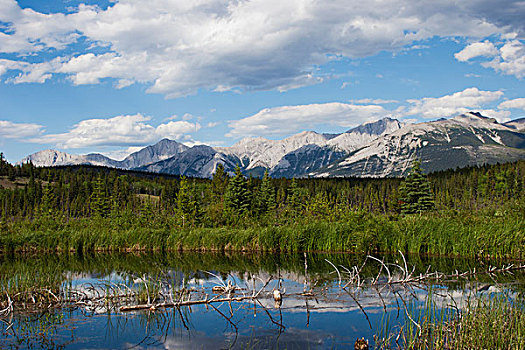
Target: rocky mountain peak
[(377, 127), (475, 117)]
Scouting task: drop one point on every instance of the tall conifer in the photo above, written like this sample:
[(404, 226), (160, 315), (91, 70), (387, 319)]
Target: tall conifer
[(266, 197), (416, 194), (237, 198)]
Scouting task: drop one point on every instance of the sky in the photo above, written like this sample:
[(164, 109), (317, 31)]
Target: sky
[(113, 76)]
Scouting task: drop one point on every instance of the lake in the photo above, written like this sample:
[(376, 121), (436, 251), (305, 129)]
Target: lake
[(104, 300)]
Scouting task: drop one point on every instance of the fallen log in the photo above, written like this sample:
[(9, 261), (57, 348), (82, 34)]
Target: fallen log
[(127, 308)]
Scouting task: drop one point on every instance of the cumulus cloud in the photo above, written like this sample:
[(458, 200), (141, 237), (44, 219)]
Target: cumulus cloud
[(518, 103), (28, 31), (449, 105), (178, 47), (511, 59), (10, 130), (485, 48), (279, 121), (126, 130), (285, 120), (508, 59)]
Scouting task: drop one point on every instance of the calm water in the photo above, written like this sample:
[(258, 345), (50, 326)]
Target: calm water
[(328, 316)]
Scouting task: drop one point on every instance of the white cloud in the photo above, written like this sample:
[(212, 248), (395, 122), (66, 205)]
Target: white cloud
[(11, 130), (279, 121), (178, 47), (378, 101), (508, 59), (511, 59), (122, 153), (30, 31), (518, 103), (499, 115), (449, 105), (410, 120), (485, 48), (30, 73), (127, 130)]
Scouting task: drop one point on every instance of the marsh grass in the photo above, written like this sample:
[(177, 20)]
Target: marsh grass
[(445, 234), (485, 322)]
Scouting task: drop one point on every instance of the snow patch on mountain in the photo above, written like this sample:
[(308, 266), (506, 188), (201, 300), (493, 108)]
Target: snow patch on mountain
[(467, 139)]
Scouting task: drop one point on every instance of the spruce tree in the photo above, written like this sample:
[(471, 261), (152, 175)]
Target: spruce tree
[(47, 203), (415, 192), (100, 204), (3, 164), (266, 197), (294, 198), (237, 198), (219, 183), (185, 203)]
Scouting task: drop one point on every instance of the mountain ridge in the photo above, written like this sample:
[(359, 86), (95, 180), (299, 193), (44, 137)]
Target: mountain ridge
[(467, 139), (384, 147)]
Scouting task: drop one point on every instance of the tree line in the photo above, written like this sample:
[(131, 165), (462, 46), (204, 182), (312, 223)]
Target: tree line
[(65, 193)]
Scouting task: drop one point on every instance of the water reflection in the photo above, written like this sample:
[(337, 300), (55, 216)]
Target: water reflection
[(315, 311)]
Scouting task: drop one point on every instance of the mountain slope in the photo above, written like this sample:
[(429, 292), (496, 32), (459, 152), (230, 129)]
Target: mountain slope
[(517, 124), (197, 161), (163, 149), (293, 156), (56, 158), (468, 139), (384, 147), (261, 152), (363, 134), (150, 154)]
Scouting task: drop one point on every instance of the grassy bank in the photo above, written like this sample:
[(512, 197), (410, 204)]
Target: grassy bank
[(488, 235)]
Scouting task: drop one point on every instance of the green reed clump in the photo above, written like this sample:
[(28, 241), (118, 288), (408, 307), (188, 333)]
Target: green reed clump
[(29, 283), (496, 322)]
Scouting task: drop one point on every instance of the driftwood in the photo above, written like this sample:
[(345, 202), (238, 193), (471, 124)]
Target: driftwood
[(223, 289), (408, 277), (128, 308)]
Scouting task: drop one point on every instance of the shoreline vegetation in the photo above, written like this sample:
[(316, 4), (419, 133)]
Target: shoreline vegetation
[(470, 212), (481, 236)]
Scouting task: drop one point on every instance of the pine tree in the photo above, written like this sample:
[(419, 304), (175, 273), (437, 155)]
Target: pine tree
[(3, 164), (294, 198), (100, 204), (266, 195), (48, 201), (219, 183), (415, 192), (185, 203), (237, 198)]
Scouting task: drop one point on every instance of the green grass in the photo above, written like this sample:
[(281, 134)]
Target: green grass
[(446, 234), (495, 322)]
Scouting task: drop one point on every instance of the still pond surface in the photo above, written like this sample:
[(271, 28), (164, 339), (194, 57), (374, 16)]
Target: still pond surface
[(223, 301)]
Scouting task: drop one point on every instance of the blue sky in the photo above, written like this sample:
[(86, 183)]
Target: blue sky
[(115, 76)]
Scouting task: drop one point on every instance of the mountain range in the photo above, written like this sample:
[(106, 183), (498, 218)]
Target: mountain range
[(380, 148)]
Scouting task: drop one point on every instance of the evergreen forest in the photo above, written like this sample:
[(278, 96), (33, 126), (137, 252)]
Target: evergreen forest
[(470, 211)]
